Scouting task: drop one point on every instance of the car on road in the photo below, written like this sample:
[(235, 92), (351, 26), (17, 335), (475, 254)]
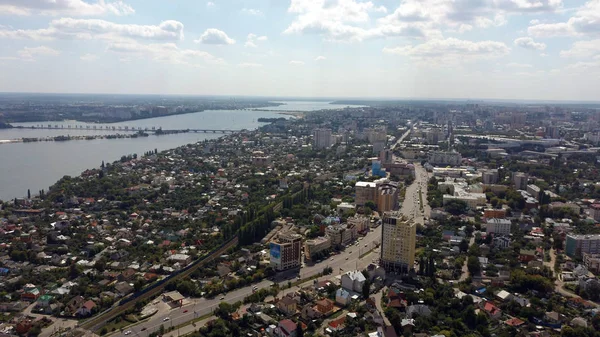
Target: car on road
[(127, 332), (346, 258), (185, 311), (222, 298), (144, 329), (166, 319), (332, 259)]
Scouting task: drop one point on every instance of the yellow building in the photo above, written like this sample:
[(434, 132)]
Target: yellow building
[(397, 242)]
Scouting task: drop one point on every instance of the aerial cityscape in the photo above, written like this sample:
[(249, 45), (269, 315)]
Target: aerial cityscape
[(308, 168)]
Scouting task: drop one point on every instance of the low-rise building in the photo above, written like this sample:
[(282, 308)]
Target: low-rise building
[(595, 211), (592, 262), (498, 226), (315, 246), (445, 158), (353, 281)]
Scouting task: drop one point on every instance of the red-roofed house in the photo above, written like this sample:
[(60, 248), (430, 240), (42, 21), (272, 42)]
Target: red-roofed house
[(286, 328), (491, 310), (338, 324), (325, 306), (86, 308), (514, 322)]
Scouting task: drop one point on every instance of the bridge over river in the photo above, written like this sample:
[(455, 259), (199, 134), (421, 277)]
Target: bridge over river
[(120, 128)]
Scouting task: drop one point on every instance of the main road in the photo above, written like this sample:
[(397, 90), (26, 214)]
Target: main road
[(348, 259)]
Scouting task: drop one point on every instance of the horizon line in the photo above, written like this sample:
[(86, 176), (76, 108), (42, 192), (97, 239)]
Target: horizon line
[(320, 98)]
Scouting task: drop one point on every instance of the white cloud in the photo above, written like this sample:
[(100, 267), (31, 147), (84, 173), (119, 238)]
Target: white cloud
[(518, 65), (64, 7), (32, 52), (215, 36), (529, 43), (451, 50), (534, 22), (252, 11), (210, 4), (335, 20), (69, 28), (585, 21), (320, 58), (162, 52), (528, 6), (88, 57), (252, 39), (583, 67), (296, 63), (583, 49), (350, 20), (250, 65)]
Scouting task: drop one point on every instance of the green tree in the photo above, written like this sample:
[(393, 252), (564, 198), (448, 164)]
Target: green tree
[(456, 207), (463, 245), (473, 265), (366, 289)]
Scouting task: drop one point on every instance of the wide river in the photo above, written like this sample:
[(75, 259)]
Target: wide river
[(38, 165)]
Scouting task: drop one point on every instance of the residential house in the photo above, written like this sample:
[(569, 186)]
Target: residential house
[(310, 312), (353, 281), (126, 275), (374, 316), (514, 322), (504, 296), (491, 310), (325, 306), (123, 288), (287, 305), (419, 309), (526, 255), (73, 305), (342, 297), (553, 317), (407, 325), (30, 293), (86, 309), (286, 328), (337, 324)]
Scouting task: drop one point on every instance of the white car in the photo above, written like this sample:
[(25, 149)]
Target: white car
[(127, 332), (166, 319)]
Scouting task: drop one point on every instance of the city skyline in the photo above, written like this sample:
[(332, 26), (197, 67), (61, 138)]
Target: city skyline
[(519, 49)]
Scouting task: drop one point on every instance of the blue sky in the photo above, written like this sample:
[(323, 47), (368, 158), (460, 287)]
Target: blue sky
[(509, 49)]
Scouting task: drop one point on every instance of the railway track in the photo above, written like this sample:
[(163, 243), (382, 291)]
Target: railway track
[(96, 323)]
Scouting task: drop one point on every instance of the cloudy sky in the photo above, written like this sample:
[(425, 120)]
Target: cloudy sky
[(511, 49)]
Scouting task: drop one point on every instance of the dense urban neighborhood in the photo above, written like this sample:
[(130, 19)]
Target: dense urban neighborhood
[(392, 219)]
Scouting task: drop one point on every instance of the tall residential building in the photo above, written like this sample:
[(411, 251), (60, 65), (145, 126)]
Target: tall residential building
[(576, 245), (387, 197), (553, 132), (376, 134), (386, 157), (490, 177), (285, 251), (322, 138), (434, 136), (520, 180), (397, 242)]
